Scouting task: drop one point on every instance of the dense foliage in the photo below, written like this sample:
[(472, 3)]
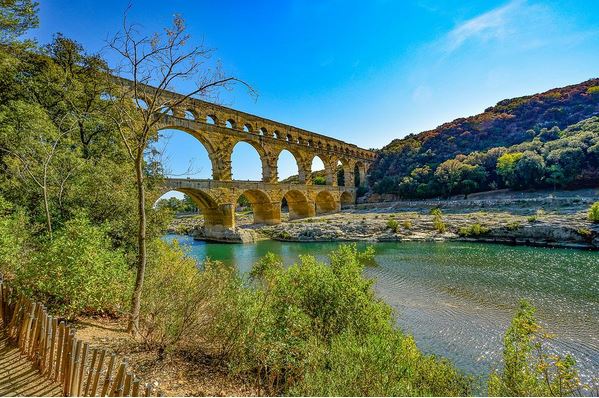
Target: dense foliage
[(309, 329), (77, 271), (434, 162), (568, 159), (176, 205), (67, 206)]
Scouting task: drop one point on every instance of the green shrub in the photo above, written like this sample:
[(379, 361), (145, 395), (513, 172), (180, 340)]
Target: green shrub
[(532, 219), (438, 223), (473, 230), (77, 271), (380, 364), (14, 239), (392, 224), (528, 370), (182, 304), (320, 180), (594, 90), (407, 224), (513, 226), (585, 232), (594, 213), (307, 324)]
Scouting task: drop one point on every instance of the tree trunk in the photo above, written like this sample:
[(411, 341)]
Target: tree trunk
[(47, 210), (141, 242)]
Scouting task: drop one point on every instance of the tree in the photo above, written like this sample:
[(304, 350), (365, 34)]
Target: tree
[(506, 167), (16, 17), (153, 65), (529, 170), (35, 157)]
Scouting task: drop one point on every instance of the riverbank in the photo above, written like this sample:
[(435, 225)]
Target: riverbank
[(534, 220), (542, 229)]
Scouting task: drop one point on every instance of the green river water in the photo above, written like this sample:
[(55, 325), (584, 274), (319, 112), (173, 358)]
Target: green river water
[(457, 298)]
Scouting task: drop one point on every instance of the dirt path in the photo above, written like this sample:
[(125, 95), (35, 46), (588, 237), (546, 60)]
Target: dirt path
[(18, 376)]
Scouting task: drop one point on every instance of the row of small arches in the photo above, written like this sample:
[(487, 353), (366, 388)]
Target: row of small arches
[(262, 131)]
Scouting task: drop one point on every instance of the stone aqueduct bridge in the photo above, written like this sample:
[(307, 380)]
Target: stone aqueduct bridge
[(219, 129)]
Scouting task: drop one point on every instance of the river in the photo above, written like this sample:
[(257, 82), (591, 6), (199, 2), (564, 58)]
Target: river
[(457, 298)]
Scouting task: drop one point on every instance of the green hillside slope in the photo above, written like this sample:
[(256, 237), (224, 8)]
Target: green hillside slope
[(404, 165)]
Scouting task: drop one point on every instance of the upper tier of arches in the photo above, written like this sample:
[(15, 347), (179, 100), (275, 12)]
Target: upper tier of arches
[(220, 149)]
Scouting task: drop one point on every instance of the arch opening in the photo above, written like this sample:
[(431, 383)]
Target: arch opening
[(346, 200), (212, 214), (247, 128), (140, 103), (211, 119), (298, 205), (325, 203), (179, 203), (230, 124), (319, 172), (359, 174), (288, 168), (255, 206), (246, 162), (183, 154), (189, 115)]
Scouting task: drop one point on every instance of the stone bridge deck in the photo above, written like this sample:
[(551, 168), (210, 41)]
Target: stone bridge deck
[(175, 183)]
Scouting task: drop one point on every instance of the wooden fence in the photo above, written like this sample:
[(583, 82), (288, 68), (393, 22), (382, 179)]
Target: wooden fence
[(60, 356)]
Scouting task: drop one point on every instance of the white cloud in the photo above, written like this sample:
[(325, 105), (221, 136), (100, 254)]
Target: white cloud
[(494, 24)]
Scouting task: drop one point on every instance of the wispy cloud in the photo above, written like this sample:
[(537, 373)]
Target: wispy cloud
[(494, 24)]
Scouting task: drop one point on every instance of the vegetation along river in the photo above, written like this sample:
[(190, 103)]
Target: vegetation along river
[(457, 298)]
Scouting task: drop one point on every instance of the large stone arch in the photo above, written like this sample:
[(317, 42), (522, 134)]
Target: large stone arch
[(299, 161), (326, 164), (265, 210), (325, 202), (215, 214), (300, 206), (346, 199), (262, 154), (206, 143)]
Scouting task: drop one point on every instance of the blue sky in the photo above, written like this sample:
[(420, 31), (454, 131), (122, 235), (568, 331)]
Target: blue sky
[(362, 71)]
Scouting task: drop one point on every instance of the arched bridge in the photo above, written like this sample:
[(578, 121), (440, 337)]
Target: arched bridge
[(219, 129), (218, 199)]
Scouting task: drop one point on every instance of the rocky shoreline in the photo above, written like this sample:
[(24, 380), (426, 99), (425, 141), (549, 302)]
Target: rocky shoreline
[(522, 223), (412, 226)]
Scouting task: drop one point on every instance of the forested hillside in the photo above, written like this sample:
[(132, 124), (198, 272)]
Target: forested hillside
[(463, 156)]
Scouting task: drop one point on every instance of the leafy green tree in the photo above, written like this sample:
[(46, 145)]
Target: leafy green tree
[(569, 159), (454, 176), (529, 171), (506, 167), (31, 142), (555, 176), (16, 17)]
